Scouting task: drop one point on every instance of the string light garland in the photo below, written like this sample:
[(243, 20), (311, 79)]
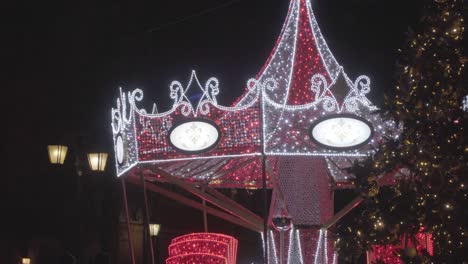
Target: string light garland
[(295, 248)]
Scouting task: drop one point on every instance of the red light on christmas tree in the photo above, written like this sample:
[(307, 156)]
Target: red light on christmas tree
[(392, 253)]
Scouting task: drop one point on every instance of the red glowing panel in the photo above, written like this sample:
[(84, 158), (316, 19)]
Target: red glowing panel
[(307, 62), (199, 246), (210, 248), (196, 258), (239, 134)]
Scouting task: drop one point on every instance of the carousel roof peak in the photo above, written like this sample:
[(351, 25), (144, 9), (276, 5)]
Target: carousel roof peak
[(300, 55)]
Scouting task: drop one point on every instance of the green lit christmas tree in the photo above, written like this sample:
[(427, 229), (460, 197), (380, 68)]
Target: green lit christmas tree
[(429, 158)]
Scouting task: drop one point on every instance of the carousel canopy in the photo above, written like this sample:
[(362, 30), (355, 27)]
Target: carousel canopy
[(301, 103)]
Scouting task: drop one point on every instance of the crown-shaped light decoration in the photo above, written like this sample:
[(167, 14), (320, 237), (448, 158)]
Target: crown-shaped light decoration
[(306, 103), (302, 113)]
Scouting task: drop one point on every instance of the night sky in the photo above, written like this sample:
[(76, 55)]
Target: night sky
[(65, 61)]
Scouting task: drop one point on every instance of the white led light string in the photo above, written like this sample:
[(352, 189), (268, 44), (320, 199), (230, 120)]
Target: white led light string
[(295, 247), (273, 247), (200, 170), (276, 48), (331, 65), (291, 72), (290, 245), (325, 246), (299, 246), (294, 15), (319, 247)]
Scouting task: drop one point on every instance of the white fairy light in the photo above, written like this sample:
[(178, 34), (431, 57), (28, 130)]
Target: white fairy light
[(290, 245), (465, 104), (273, 247), (325, 245), (299, 246), (317, 259), (335, 257), (262, 236)]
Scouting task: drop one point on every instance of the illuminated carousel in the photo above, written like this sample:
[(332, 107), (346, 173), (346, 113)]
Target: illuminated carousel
[(297, 125)]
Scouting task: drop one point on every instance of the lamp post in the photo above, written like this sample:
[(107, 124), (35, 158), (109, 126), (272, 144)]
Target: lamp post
[(97, 163)]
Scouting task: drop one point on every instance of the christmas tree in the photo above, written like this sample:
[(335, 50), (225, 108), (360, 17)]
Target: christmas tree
[(427, 162)]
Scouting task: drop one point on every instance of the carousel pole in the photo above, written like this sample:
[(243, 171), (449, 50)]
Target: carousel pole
[(147, 218), (265, 208), (127, 217), (281, 261), (264, 181), (205, 216)]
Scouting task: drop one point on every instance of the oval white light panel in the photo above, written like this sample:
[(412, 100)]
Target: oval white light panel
[(194, 136), (120, 150), (341, 132)]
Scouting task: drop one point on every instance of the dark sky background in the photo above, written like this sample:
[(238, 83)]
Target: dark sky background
[(65, 61)]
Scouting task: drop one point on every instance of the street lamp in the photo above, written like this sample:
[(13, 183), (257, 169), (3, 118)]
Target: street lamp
[(25, 261), (57, 153), (97, 161), (154, 229)]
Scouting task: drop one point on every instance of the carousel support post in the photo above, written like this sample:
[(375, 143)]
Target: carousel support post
[(189, 202), (205, 216), (355, 202), (127, 217), (265, 208), (147, 218), (282, 247)]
